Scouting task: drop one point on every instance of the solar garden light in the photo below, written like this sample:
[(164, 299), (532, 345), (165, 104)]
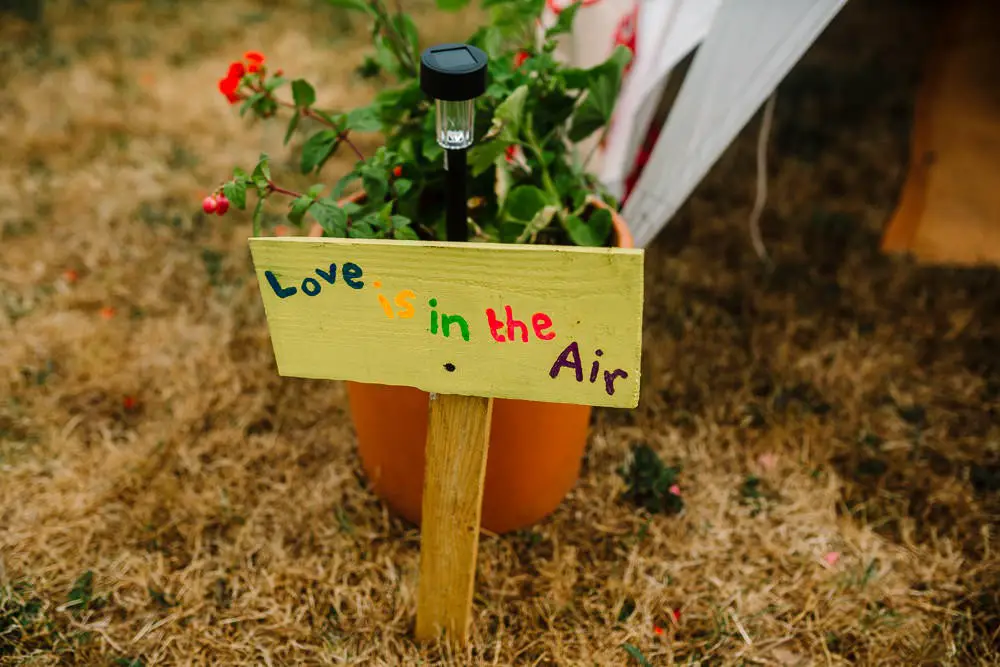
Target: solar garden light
[(454, 75)]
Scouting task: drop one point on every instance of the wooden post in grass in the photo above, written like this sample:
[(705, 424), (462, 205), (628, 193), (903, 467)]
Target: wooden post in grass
[(467, 322)]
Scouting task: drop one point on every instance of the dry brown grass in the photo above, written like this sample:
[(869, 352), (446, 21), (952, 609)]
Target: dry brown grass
[(223, 517)]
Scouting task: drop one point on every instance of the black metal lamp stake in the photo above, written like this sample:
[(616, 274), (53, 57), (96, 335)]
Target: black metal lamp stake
[(454, 75)]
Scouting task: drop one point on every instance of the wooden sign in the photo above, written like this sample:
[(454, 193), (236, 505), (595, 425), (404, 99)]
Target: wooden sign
[(543, 323), (468, 323)]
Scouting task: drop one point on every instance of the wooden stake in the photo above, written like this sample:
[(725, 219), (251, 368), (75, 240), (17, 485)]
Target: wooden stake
[(458, 433)]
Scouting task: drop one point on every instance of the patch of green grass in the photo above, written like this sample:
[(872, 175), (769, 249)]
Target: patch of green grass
[(20, 612), (129, 662), (649, 481), (160, 598), (755, 493), (636, 655), (626, 611), (81, 596)]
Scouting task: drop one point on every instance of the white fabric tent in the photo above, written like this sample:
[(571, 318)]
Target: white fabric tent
[(745, 49)]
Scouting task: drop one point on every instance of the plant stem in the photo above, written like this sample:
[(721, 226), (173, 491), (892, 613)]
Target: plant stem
[(280, 190), (550, 187), (400, 46), (343, 135)]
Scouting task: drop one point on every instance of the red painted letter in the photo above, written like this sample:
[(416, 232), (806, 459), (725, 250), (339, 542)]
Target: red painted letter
[(511, 323), (495, 325), (540, 322)]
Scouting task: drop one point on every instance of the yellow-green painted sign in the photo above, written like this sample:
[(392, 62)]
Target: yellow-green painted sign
[(542, 323)]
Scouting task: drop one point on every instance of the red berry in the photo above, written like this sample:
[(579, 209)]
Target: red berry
[(223, 205), (209, 204), (397, 171)]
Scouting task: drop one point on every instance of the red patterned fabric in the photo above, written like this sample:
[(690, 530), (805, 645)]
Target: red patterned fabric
[(617, 22)]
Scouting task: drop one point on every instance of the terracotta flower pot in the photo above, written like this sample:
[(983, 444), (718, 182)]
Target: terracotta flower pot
[(534, 456)]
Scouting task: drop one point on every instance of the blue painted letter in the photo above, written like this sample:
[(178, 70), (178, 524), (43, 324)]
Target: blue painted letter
[(351, 272), (328, 277), (282, 292)]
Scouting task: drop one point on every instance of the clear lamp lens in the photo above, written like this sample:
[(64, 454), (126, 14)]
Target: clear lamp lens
[(455, 121)]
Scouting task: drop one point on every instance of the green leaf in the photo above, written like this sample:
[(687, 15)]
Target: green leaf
[(298, 209), (330, 217), (361, 230), (508, 115), (316, 190), (510, 230), (385, 56), (524, 202), (484, 155), (587, 119), (258, 214), (275, 83), (357, 5), (405, 234), (236, 193), (251, 102), (400, 222), (317, 150), (303, 93), (341, 185), (375, 182), (600, 225), (402, 185), (579, 232), (430, 148), (261, 176), (637, 655), (405, 26), (592, 233), (564, 23), (293, 123), (364, 119)]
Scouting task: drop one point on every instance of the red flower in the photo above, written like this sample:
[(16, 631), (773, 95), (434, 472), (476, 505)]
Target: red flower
[(71, 275), (255, 61), (397, 171), (107, 312), (520, 58), (231, 84), (129, 403)]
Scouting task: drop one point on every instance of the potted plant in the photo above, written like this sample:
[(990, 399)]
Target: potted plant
[(527, 184)]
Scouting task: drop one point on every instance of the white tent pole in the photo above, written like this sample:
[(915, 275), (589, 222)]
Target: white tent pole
[(750, 47)]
